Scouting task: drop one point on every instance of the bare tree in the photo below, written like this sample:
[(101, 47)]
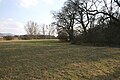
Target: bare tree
[(108, 8), (118, 2), (65, 19), (32, 28), (43, 29), (50, 29), (91, 16)]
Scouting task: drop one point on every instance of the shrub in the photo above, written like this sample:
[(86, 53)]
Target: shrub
[(8, 37), (25, 37), (63, 36)]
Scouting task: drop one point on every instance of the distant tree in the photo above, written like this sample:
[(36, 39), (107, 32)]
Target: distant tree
[(50, 29), (42, 29), (32, 28)]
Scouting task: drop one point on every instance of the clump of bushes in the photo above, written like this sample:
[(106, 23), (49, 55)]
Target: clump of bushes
[(25, 37), (63, 36), (8, 37)]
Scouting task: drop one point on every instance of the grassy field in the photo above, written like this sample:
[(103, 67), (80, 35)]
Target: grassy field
[(52, 60)]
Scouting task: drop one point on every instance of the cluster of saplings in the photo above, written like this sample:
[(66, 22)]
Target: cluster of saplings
[(95, 22)]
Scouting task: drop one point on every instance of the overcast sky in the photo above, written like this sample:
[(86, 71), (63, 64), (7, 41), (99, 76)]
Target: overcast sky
[(15, 13)]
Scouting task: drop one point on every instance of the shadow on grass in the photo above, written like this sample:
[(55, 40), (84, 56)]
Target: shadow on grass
[(111, 76)]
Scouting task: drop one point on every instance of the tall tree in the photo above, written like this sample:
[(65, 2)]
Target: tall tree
[(96, 18), (108, 8), (65, 19)]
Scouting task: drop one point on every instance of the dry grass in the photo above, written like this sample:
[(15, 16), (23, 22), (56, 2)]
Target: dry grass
[(52, 60)]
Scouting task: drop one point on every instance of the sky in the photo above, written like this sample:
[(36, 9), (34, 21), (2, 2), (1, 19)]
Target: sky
[(14, 14)]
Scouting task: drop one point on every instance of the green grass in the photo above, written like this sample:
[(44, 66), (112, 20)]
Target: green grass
[(52, 60)]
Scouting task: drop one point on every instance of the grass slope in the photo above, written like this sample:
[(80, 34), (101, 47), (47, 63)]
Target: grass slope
[(52, 60)]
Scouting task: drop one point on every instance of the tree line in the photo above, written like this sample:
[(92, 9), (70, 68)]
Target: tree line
[(89, 21), (36, 31)]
